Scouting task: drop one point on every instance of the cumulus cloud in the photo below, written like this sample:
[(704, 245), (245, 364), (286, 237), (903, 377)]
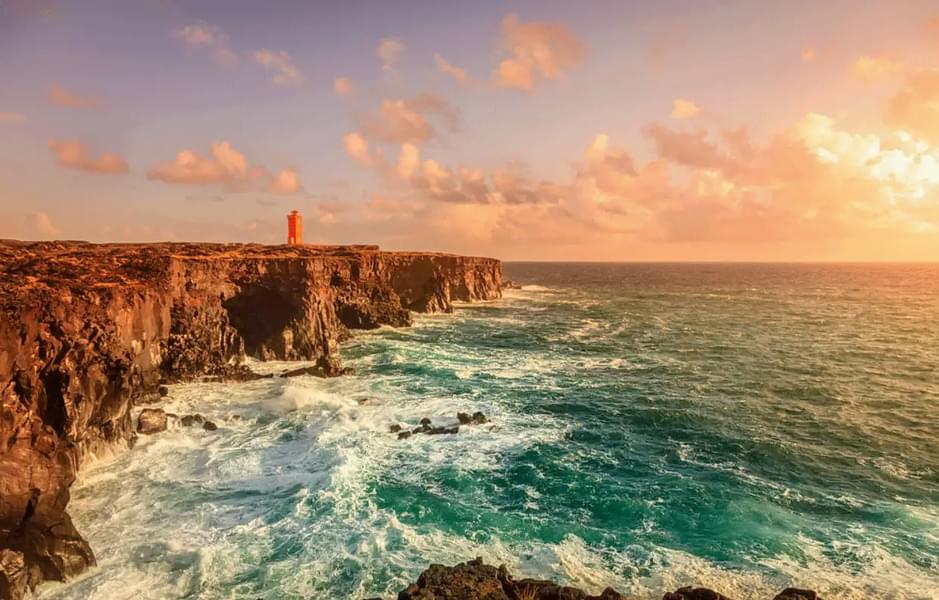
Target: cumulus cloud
[(10, 118), (202, 36), (60, 96), (415, 120), (357, 147), (389, 52), (536, 51), (684, 109), (74, 155), (287, 181), (875, 68), (809, 184), (225, 166), (343, 86), (280, 63)]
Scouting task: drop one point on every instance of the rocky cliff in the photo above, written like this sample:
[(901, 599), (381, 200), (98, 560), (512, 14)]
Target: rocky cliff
[(88, 330)]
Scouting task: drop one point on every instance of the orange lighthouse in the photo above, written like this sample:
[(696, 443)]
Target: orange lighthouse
[(294, 228)]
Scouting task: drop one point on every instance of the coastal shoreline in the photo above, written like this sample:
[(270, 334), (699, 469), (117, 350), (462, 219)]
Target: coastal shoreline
[(88, 331)]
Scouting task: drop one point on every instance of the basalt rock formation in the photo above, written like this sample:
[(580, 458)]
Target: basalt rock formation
[(87, 331), (474, 580)]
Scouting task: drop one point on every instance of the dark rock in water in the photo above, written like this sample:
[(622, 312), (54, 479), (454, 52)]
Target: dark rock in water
[(395, 428), (797, 594), (163, 391), (209, 426), (690, 593), (347, 371), (474, 580), (361, 401), (425, 421), (151, 420), (404, 435), (315, 371), (510, 285), (442, 430), (234, 417), (477, 418), (190, 420)]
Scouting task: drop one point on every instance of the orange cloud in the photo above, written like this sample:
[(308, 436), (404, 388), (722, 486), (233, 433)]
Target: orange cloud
[(60, 96), (414, 120), (226, 166), (343, 86), (915, 108), (460, 75), (202, 36), (357, 147), (389, 52), (874, 68), (74, 155), (684, 109), (285, 73), (537, 51)]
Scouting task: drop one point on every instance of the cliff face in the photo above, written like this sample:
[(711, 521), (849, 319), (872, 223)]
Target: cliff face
[(88, 330)]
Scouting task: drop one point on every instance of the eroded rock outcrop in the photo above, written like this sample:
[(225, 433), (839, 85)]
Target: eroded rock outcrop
[(475, 580), (87, 331)]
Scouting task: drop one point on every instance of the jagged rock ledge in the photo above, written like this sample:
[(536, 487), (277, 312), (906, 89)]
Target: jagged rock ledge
[(87, 331), (475, 580)]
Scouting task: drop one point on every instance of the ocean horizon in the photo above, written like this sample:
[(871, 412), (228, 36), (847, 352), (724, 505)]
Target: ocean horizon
[(743, 427)]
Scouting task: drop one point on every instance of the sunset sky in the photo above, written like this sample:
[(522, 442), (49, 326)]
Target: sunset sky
[(542, 130)]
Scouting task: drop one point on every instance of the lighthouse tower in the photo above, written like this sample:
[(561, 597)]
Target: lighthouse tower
[(294, 228)]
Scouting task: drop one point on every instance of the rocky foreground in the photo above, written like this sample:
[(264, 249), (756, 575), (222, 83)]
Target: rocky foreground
[(87, 331), (474, 580)]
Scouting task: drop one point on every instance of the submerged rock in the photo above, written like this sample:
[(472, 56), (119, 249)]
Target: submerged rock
[(477, 418), (163, 391), (209, 426), (190, 420), (151, 420)]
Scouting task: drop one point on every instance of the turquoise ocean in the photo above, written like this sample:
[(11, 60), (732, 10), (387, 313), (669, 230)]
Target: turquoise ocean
[(743, 427)]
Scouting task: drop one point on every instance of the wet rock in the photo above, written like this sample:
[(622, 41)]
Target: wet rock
[(347, 371), (797, 594), (404, 435), (151, 420), (190, 420), (163, 391), (508, 284), (234, 417), (425, 422), (477, 418), (475, 580), (209, 426), (692, 593), (315, 371), (442, 430), (394, 428)]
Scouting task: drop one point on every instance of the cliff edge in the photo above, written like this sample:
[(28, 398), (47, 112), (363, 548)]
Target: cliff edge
[(88, 330)]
